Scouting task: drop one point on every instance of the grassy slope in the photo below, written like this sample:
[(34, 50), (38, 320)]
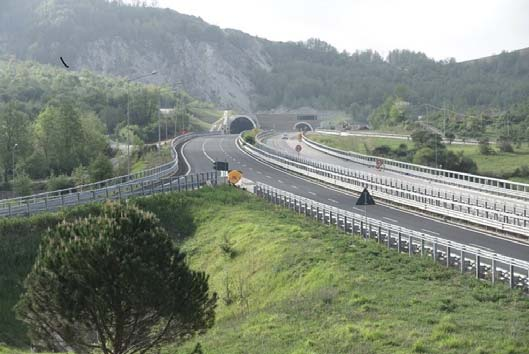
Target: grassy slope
[(300, 287), (492, 164)]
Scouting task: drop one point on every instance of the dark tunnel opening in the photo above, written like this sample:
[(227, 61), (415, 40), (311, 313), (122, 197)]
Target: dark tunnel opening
[(241, 124), (303, 127)]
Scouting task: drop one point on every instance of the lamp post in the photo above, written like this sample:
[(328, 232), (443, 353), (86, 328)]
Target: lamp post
[(13, 158), (128, 115)]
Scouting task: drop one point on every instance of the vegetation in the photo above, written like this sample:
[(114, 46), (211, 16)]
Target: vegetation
[(497, 164), (116, 277), (249, 136), (287, 284)]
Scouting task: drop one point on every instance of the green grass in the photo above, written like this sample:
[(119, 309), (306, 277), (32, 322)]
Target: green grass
[(289, 285), (497, 164)]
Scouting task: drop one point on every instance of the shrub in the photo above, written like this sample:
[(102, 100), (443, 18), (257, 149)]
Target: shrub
[(59, 182), (95, 276), (22, 184)]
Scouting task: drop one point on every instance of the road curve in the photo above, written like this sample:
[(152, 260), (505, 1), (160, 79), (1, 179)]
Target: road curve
[(200, 152)]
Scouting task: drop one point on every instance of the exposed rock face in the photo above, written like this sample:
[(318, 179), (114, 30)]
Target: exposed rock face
[(210, 63)]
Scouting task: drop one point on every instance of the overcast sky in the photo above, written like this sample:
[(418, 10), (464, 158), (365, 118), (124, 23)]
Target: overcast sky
[(463, 29)]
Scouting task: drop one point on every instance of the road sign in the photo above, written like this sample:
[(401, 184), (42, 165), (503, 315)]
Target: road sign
[(298, 148), (220, 166), (234, 176), (365, 198)]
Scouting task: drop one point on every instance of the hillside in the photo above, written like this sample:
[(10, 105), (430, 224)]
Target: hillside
[(287, 284), (247, 73)]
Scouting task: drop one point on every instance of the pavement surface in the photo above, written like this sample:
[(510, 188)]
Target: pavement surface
[(200, 153)]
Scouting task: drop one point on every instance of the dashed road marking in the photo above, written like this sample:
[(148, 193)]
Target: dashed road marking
[(280, 181), (430, 232), (312, 193), (294, 187), (268, 177), (332, 200), (390, 219)]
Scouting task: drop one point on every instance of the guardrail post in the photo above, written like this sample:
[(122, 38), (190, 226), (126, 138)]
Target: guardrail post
[(185, 182), (462, 261), (399, 236), (434, 251), (511, 276), (478, 261), (493, 270), (388, 241), (345, 223), (448, 256), (410, 245), (379, 234), (27, 206)]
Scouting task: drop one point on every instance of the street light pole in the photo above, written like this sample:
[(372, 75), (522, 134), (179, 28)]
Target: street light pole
[(13, 158), (128, 114)]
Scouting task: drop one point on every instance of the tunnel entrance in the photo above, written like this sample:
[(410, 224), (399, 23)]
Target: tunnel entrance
[(241, 124), (302, 126)]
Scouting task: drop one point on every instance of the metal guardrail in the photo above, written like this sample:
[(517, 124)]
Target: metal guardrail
[(25, 205), (465, 180), (482, 263), (391, 191), (118, 192)]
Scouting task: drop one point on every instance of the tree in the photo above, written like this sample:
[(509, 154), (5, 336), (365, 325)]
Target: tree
[(14, 125), (450, 136), (114, 283), (424, 156), (22, 185), (505, 144), (100, 169), (484, 146)]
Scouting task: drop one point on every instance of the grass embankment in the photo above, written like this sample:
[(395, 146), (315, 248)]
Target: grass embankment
[(289, 285), (497, 164)]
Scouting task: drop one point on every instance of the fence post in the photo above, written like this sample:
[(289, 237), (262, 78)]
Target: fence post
[(462, 261), (477, 266), (399, 241), (493, 270), (410, 245), (511, 277), (434, 251), (448, 256)]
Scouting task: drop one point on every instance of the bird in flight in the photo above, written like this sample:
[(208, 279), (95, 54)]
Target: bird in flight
[(63, 63)]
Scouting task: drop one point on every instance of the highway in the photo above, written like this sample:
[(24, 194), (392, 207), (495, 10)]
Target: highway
[(199, 154)]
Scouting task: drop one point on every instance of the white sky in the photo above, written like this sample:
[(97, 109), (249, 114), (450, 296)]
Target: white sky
[(463, 29)]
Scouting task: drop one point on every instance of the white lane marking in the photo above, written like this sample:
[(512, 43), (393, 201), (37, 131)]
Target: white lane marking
[(333, 201), (204, 151), (478, 246), (351, 194), (268, 177), (259, 172), (312, 193), (185, 158), (390, 219), (430, 231), (280, 181), (293, 186), (250, 168)]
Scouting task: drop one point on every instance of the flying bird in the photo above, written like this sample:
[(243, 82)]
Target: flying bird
[(63, 63)]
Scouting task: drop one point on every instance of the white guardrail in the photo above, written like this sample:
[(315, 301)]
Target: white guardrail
[(483, 264), (391, 190), (466, 180), (118, 187)]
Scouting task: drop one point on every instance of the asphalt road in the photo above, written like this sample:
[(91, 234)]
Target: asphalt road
[(200, 152), (288, 146)]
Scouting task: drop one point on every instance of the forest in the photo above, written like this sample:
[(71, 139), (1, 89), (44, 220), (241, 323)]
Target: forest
[(53, 121)]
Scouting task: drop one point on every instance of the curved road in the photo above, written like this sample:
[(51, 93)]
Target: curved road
[(200, 152)]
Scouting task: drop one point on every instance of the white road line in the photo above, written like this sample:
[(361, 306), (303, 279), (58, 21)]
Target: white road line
[(355, 208), (312, 193), (259, 172), (185, 158), (430, 232), (478, 246), (204, 151), (280, 181), (332, 200), (390, 219), (268, 177), (294, 187)]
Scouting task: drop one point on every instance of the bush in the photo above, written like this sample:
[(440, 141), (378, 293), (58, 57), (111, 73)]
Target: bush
[(383, 150), (484, 147), (59, 182), (505, 144), (100, 169), (22, 185)]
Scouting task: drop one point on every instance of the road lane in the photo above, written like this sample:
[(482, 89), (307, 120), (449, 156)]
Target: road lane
[(219, 147)]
